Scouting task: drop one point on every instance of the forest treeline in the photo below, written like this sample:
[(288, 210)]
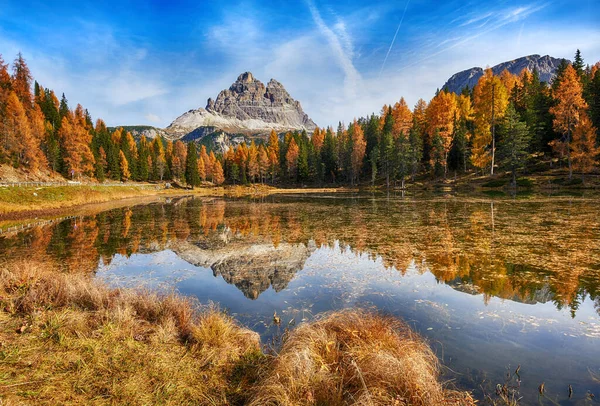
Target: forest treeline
[(506, 122)]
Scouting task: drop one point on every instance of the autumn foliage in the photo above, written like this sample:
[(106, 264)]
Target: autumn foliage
[(466, 132)]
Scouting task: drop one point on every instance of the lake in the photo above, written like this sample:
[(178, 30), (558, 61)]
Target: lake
[(491, 283)]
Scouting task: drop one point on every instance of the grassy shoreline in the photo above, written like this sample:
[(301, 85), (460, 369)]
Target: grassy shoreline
[(68, 339), (19, 203)]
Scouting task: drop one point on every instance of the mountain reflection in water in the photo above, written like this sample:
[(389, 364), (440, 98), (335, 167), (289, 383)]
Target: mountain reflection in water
[(539, 251)]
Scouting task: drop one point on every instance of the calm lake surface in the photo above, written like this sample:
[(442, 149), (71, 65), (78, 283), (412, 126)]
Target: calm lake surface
[(492, 284)]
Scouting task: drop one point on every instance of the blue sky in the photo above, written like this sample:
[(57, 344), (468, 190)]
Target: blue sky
[(147, 62)]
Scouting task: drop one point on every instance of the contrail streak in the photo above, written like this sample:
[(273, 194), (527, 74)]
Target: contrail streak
[(394, 39)]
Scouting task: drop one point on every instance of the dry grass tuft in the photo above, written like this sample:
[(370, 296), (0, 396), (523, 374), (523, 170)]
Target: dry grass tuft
[(355, 357), (66, 339)]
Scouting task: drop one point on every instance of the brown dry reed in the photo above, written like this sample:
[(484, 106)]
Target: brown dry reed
[(66, 339), (355, 357)]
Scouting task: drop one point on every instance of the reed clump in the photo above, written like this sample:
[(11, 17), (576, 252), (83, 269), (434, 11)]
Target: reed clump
[(355, 357)]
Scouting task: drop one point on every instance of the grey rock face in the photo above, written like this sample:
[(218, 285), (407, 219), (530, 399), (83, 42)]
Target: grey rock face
[(249, 99), (546, 66), (247, 107), (141, 130)]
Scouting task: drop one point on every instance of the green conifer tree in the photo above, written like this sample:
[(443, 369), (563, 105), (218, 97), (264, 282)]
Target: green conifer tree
[(191, 166), (515, 138)]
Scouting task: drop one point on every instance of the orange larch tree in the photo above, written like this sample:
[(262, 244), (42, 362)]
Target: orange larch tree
[(490, 102), (39, 133), (207, 167), (124, 167), (584, 151), (21, 82), (179, 159), (403, 119), (440, 121), (201, 168), (5, 79), (241, 159), (317, 139), (18, 141), (509, 80), (291, 158), (71, 159), (359, 146), (263, 163), (570, 107), (273, 152), (211, 164), (115, 137), (159, 159), (253, 167), (83, 143), (217, 172)]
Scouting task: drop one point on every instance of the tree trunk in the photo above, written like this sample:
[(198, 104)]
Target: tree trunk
[(387, 177), (514, 177), (493, 130), (445, 164), (569, 153)]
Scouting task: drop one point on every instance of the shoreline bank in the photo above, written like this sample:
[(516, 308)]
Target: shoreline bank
[(46, 202), (67, 338)]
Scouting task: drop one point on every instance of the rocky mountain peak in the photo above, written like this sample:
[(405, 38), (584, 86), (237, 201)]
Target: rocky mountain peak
[(248, 107), (545, 65), (246, 77)]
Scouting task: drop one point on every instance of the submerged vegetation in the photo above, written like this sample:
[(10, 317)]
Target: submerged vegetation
[(67, 339)]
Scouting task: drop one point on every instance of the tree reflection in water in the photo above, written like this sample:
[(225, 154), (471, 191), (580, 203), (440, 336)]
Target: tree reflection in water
[(528, 251)]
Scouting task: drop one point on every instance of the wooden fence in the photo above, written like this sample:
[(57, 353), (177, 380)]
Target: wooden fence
[(43, 184), (25, 226)]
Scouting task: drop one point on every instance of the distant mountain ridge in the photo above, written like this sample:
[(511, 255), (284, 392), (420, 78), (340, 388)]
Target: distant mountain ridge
[(141, 130), (545, 65)]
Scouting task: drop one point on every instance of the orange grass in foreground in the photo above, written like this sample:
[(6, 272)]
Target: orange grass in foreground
[(67, 339)]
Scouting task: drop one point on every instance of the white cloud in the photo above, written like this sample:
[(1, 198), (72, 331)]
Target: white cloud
[(152, 118), (303, 63), (106, 75), (341, 47), (476, 19)]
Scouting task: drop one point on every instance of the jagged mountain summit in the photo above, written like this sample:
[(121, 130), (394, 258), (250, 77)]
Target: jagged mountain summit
[(248, 107), (546, 66)]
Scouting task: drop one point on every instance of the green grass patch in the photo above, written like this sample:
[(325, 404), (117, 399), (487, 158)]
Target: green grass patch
[(566, 182), (494, 193), (494, 183), (524, 182)]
